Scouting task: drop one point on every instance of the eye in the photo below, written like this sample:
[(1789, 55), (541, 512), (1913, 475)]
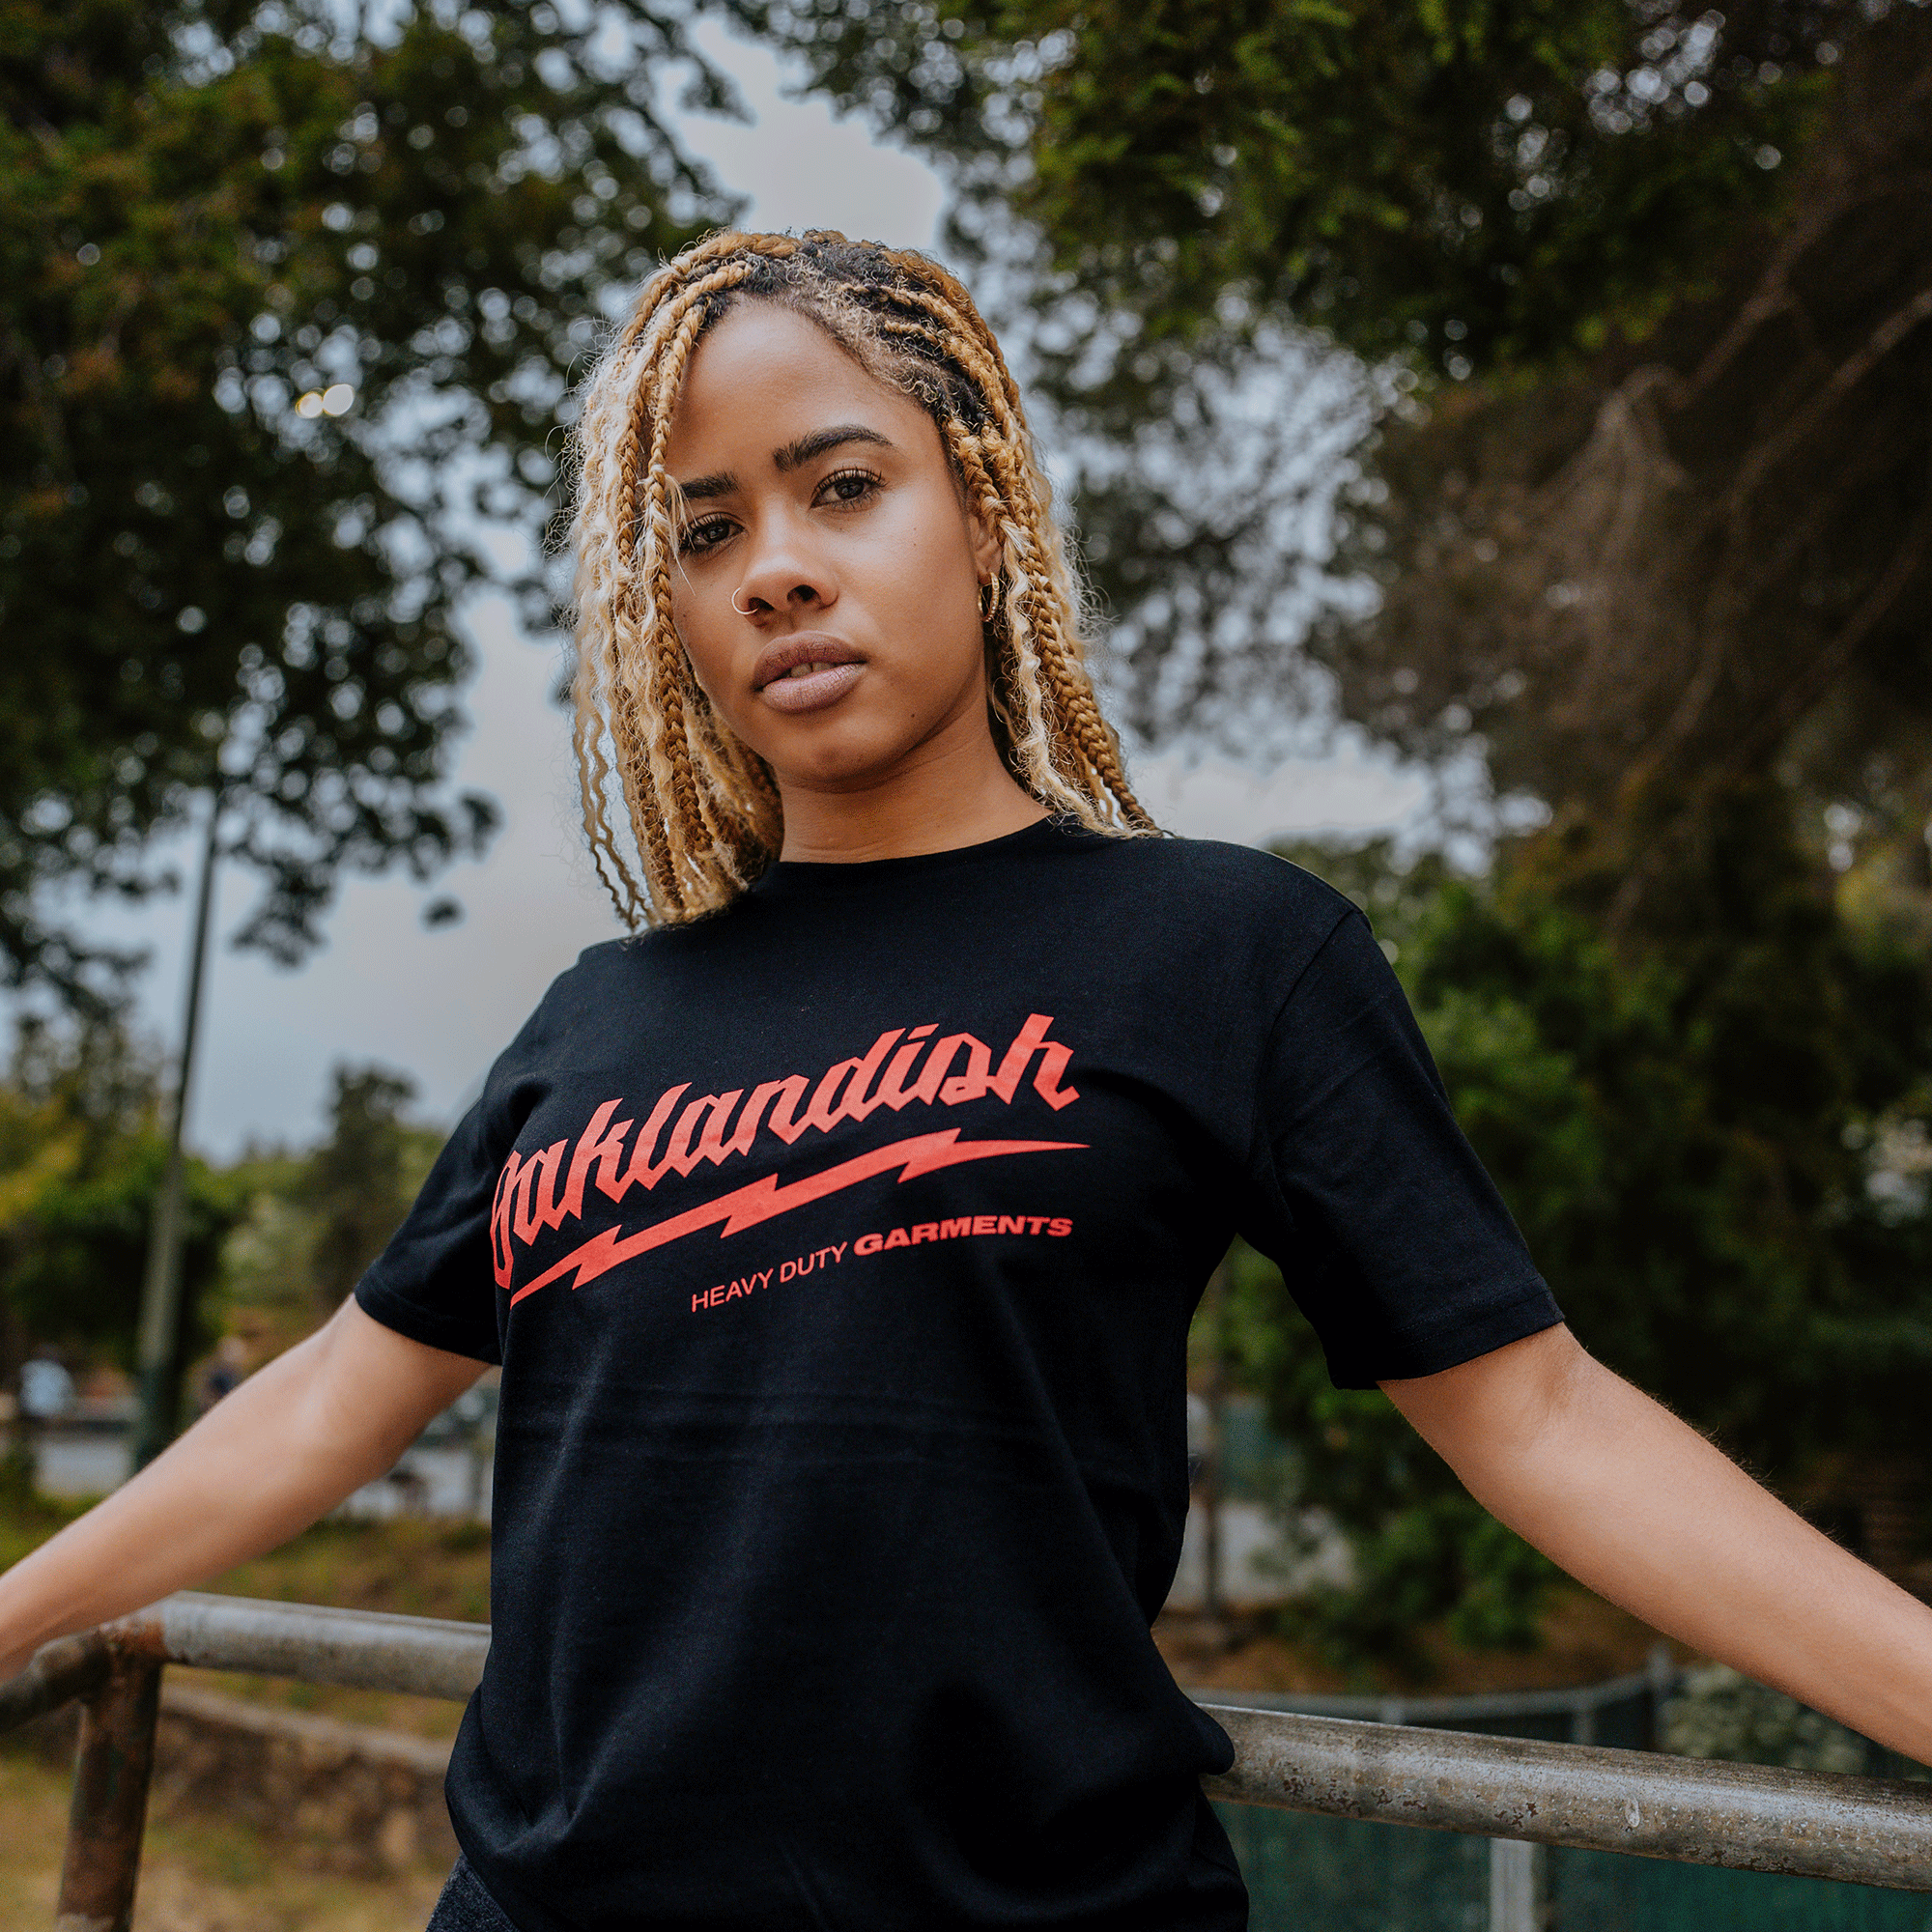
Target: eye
[(849, 486), (707, 534)]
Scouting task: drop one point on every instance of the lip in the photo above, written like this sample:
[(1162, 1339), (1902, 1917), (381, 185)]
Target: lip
[(814, 691)]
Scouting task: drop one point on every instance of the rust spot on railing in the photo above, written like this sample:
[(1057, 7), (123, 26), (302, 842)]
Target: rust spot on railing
[(111, 1774)]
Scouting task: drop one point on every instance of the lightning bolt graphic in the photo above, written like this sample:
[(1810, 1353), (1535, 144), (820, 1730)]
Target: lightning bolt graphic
[(764, 1200)]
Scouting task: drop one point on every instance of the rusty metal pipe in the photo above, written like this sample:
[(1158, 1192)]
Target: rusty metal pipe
[(111, 1774), (367, 1650), (1748, 1817), (71, 1666)]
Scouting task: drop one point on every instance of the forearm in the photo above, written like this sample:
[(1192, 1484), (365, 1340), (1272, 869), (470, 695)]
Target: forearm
[(288, 1445), (1640, 1508)]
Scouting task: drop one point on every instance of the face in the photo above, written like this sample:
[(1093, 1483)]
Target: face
[(821, 502)]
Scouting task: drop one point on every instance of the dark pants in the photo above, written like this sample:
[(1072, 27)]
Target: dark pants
[(466, 1906)]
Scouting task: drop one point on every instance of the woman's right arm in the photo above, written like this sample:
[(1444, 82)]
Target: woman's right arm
[(290, 1444)]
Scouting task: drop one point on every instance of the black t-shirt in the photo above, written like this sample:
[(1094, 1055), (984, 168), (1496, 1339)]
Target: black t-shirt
[(840, 1252)]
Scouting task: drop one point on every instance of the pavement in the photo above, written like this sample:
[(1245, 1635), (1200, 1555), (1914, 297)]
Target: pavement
[(426, 1481)]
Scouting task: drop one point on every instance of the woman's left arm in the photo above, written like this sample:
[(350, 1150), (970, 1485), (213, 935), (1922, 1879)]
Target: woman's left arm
[(1636, 1505)]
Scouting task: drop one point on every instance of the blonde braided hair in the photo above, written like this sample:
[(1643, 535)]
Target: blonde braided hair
[(703, 809)]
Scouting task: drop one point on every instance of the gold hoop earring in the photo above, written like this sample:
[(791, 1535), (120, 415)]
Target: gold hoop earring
[(989, 598)]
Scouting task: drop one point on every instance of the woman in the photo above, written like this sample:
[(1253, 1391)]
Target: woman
[(838, 1236)]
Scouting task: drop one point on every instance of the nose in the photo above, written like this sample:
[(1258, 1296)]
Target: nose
[(786, 571)]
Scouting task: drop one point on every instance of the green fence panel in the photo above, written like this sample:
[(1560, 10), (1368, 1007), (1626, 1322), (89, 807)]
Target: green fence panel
[(1309, 1874), (1599, 1892)]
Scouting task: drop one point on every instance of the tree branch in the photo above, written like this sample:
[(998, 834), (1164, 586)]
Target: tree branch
[(1852, 371), (1801, 691)]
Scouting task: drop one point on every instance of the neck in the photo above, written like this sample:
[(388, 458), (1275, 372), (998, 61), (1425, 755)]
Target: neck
[(954, 791)]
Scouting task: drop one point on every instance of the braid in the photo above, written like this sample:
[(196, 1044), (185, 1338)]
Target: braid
[(705, 811), (1010, 446), (664, 665)]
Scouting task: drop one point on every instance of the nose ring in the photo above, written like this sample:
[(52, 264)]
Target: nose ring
[(734, 606)]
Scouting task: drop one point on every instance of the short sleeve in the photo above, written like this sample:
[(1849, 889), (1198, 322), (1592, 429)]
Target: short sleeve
[(433, 1282), (1392, 1238)]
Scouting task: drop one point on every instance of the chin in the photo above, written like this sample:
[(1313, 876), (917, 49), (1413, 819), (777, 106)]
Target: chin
[(840, 768), (851, 746), (841, 752)]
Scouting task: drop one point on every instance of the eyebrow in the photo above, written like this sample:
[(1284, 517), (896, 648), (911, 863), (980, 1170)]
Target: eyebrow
[(792, 456)]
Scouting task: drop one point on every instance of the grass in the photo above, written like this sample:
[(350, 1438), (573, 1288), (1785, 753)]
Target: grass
[(197, 1874), (423, 1568), (1585, 1640)]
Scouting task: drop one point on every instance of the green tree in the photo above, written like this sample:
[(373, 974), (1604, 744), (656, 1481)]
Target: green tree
[(1701, 1145), (81, 1160), (1657, 519), (1422, 1551), (1505, 181), (1696, 1137), (289, 298), (358, 1184), (316, 1218), (1701, 558)]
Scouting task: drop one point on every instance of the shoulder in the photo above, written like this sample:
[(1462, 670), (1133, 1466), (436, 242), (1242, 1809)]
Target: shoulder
[(586, 988), (609, 957), (1239, 884), (1244, 922), (611, 985)]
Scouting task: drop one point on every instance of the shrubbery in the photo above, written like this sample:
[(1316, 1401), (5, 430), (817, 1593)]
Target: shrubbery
[(1698, 1130)]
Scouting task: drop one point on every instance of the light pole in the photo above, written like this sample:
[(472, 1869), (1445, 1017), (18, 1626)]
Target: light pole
[(164, 1322)]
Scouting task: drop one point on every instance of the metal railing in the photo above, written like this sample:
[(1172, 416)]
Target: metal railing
[(1518, 1791), (1576, 1714)]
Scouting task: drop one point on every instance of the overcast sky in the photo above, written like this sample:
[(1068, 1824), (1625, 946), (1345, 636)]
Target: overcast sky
[(437, 1006)]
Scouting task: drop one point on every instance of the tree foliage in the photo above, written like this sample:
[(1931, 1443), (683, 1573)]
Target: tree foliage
[(1505, 181), (288, 303), (281, 1237), (1422, 1551), (1655, 522), (316, 1218), (82, 1156), (1716, 1150), (1699, 1141), (358, 1184), (1702, 558)]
